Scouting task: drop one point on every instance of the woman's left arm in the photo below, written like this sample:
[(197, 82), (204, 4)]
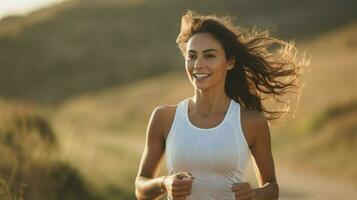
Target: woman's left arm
[(262, 153), (258, 128)]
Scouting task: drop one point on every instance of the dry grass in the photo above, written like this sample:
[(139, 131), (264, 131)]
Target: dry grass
[(323, 133), (29, 168)]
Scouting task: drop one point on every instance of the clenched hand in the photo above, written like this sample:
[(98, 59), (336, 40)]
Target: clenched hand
[(178, 186)]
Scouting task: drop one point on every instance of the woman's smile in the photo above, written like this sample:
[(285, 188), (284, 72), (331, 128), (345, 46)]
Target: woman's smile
[(201, 76)]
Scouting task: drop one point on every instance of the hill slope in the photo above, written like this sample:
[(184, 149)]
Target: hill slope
[(86, 45)]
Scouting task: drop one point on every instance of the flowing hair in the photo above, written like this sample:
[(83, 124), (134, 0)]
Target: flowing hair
[(264, 66)]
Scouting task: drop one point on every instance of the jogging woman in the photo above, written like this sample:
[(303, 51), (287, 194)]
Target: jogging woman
[(208, 137)]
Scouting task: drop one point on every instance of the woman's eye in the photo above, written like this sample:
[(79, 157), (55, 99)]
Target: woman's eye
[(210, 56), (191, 57)]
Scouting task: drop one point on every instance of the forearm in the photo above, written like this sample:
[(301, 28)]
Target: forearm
[(270, 191), (148, 188)]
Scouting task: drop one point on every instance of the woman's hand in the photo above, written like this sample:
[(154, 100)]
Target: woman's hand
[(243, 191), (178, 186)]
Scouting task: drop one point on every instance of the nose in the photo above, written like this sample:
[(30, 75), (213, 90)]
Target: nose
[(197, 63)]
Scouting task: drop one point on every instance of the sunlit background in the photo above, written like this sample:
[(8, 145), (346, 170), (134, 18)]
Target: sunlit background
[(23, 7), (80, 78)]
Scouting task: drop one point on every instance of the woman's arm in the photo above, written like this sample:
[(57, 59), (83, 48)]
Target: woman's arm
[(178, 185), (261, 151), (146, 186)]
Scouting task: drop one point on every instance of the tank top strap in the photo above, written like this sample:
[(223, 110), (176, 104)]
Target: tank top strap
[(237, 122), (178, 117), (181, 108), (174, 130)]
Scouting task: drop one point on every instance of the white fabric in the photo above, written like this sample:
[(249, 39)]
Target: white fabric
[(217, 157)]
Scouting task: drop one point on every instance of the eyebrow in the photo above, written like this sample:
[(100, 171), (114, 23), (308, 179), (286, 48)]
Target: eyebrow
[(205, 51)]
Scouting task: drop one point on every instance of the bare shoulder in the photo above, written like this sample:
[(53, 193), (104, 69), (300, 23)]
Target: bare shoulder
[(155, 140), (163, 116), (254, 125), (165, 111), (254, 118)]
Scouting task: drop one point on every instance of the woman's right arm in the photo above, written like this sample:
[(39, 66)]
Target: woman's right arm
[(146, 186), (178, 186)]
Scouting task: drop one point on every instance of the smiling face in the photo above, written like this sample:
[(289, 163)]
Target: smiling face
[(205, 61)]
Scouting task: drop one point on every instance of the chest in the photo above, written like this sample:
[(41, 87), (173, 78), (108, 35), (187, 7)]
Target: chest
[(205, 122), (217, 151)]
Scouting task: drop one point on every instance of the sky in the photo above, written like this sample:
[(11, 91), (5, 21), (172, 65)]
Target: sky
[(23, 7)]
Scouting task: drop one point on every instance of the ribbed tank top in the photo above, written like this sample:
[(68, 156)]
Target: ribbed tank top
[(217, 157)]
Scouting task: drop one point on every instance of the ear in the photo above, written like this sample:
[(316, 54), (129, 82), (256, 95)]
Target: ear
[(230, 64)]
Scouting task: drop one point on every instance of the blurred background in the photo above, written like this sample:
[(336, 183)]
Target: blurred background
[(80, 78)]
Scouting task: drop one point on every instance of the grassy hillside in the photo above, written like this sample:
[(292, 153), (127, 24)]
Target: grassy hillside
[(108, 127), (323, 134), (29, 166), (85, 45)]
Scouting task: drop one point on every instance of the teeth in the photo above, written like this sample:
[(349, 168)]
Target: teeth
[(201, 75)]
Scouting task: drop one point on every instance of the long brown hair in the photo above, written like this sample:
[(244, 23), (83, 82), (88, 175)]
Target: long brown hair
[(265, 66)]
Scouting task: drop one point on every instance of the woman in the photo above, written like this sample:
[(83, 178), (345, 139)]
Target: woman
[(208, 137)]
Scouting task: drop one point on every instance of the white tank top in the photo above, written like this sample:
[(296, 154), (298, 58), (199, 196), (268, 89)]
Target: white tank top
[(217, 157)]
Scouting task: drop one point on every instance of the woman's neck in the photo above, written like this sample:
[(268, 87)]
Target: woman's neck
[(210, 103)]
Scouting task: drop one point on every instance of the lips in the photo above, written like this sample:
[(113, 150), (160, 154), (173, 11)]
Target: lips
[(201, 75)]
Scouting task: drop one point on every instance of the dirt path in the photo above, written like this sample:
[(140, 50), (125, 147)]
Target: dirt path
[(298, 185)]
